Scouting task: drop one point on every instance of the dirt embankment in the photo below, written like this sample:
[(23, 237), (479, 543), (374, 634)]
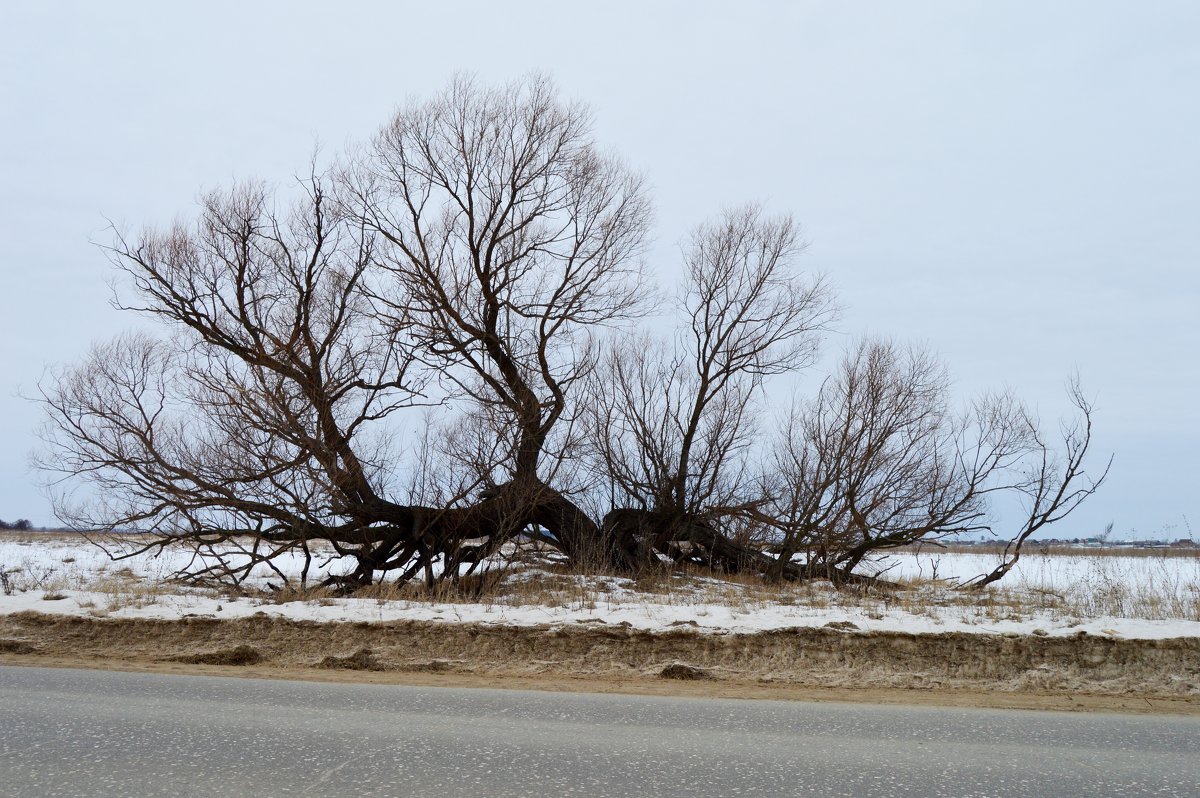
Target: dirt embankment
[(1081, 672)]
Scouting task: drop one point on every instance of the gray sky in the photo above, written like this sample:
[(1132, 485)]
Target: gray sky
[(1013, 184)]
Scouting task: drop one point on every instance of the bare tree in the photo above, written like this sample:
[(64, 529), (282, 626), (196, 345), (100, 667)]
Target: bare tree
[(472, 249), (1055, 483), (672, 422), (255, 412), (483, 260), (878, 461), (510, 239)]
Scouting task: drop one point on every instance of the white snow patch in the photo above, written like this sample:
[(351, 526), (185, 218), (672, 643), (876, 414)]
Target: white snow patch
[(58, 575)]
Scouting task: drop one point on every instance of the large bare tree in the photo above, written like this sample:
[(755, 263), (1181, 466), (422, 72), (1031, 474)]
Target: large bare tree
[(471, 251), (477, 268), (510, 240)]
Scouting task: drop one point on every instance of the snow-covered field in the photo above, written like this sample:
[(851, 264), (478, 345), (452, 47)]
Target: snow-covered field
[(1144, 596)]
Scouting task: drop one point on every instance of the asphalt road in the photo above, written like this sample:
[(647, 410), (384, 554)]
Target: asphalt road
[(97, 733)]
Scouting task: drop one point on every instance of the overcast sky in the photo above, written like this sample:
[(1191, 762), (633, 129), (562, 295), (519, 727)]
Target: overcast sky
[(1015, 185)]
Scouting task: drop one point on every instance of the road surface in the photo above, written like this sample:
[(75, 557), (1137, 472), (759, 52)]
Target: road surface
[(99, 733)]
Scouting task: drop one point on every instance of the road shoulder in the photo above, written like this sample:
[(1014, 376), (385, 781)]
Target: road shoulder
[(1073, 674)]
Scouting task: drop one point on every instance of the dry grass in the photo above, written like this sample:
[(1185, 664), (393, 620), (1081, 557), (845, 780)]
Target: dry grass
[(813, 657), (1163, 592), (237, 655), (361, 660), (123, 589)]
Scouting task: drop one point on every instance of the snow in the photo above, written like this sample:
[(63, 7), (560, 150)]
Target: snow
[(1052, 595)]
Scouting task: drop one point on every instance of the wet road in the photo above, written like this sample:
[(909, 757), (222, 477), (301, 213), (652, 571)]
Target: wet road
[(96, 733)]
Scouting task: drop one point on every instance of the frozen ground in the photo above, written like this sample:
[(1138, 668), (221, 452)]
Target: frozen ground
[(1148, 596)]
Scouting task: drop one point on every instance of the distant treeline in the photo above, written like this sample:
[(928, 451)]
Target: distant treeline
[(21, 524)]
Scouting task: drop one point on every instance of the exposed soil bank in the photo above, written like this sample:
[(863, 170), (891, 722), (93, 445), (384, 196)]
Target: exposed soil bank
[(1085, 672)]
